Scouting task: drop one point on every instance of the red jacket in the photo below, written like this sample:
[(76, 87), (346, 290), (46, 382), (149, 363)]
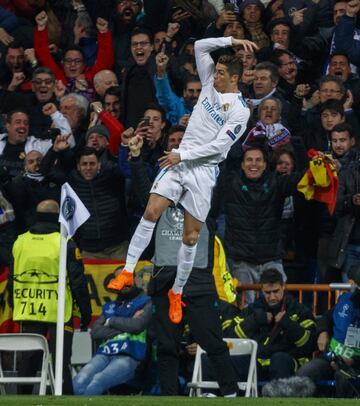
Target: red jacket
[(104, 60), (115, 128)]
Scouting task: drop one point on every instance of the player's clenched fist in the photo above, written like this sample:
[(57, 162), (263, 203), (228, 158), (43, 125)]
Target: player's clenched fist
[(41, 20), (102, 25), (49, 109)]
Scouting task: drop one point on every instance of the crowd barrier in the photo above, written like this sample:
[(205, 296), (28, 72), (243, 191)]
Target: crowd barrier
[(330, 295)]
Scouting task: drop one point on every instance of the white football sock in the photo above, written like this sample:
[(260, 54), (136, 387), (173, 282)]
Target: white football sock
[(185, 260), (139, 241)]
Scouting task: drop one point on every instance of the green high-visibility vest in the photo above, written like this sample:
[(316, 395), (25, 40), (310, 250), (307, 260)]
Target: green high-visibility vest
[(36, 274)]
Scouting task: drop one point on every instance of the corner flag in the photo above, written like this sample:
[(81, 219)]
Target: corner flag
[(73, 213)]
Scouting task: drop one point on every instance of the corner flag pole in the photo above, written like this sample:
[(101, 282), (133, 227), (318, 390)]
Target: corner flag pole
[(72, 215), (60, 312)]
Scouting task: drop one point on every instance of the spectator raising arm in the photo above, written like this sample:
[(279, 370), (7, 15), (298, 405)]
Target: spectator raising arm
[(344, 33)]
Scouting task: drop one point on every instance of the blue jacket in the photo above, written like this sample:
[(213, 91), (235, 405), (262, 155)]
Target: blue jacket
[(344, 39), (174, 105), (8, 20), (344, 314)]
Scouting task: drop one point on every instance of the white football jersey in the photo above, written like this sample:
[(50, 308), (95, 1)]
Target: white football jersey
[(218, 119)]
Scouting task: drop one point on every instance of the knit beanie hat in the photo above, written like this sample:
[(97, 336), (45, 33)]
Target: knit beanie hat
[(248, 2), (99, 129)]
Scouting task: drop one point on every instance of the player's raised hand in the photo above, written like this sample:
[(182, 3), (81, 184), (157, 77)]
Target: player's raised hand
[(61, 143), (226, 17), (162, 61), (248, 76), (41, 20), (102, 25), (247, 45), (17, 79), (97, 107), (49, 109), (127, 135), (302, 90), (298, 16), (5, 38), (59, 89), (169, 159), (135, 144), (352, 8), (172, 29)]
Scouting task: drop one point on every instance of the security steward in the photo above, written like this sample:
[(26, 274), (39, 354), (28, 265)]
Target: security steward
[(283, 328), (34, 285)]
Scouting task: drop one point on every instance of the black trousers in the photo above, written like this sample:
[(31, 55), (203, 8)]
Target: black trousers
[(31, 361), (203, 317)]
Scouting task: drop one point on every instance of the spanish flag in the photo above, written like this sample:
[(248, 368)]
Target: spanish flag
[(320, 181), (7, 325)]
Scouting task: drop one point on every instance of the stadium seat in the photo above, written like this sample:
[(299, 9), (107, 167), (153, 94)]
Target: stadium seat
[(28, 342), (237, 347), (82, 350)]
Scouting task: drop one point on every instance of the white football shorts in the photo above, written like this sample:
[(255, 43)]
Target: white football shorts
[(189, 184)]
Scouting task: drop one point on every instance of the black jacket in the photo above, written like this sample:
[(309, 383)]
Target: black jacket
[(25, 194), (104, 197), (253, 210), (347, 214), (138, 91), (295, 333)]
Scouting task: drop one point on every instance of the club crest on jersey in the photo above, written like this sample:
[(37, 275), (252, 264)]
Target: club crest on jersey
[(237, 129), (226, 106)]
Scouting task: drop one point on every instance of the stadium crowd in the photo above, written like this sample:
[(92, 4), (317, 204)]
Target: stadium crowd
[(93, 92)]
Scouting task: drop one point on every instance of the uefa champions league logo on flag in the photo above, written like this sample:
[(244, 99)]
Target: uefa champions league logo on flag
[(68, 208)]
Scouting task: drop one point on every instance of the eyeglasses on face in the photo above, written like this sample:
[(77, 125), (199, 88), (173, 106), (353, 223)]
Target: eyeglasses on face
[(41, 81)]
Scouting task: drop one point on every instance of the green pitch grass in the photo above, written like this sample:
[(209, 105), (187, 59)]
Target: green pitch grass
[(166, 401)]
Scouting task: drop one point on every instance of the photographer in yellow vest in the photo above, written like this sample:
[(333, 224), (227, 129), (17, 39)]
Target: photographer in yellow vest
[(34, 284)]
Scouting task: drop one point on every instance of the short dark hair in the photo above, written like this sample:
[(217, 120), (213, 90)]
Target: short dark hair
[(272, 68), (343, 127), (12, 112), (330, 78), (86, 151), (157, 107), (113, 91), (74, 48), (333, 105), (43, 69), (191, 79), (15, 45), (286, 149), (175, 129), (233, 64), (339, 54), (256, 146), (272, 276), (277, 54), (141, 30)]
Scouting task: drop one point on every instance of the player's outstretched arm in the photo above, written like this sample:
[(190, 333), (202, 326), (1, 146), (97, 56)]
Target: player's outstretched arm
[(203, 48), (204, 62)]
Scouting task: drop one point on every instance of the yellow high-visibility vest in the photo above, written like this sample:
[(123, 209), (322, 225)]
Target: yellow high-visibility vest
[(36, 274), (225, 284)]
